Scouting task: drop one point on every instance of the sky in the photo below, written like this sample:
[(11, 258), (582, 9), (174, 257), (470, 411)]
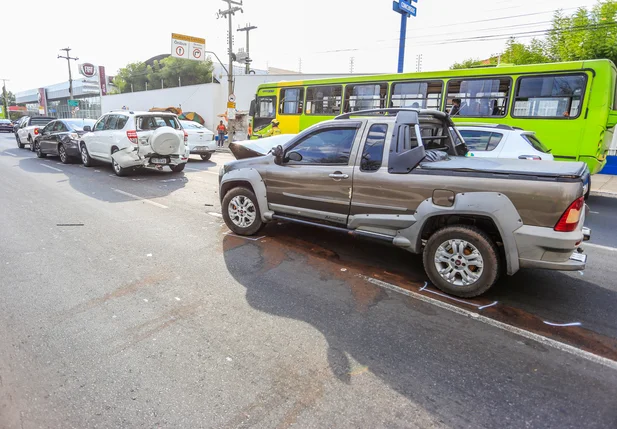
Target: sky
[(320, 36)]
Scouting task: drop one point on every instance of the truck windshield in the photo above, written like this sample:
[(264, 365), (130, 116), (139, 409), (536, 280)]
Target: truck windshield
[(40, 121)]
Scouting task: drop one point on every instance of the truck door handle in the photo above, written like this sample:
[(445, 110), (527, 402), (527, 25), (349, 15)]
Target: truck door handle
[(337, 175)]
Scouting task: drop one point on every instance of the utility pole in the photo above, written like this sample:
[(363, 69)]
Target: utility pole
[(68, 60), (351, 64), (228, 13), (247, 28), (5, 102)]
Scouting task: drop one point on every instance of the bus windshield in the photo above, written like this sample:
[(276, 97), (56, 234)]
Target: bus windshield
[(266, 107)]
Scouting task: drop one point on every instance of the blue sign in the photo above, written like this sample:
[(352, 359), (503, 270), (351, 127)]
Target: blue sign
[(407, 7)]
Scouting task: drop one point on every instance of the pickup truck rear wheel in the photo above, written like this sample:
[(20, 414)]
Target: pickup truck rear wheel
[(462, 261), (241, 212), (32, 144), (19, 143)]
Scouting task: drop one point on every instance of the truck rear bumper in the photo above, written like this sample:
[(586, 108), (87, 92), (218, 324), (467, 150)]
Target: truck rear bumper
[(540, 247)]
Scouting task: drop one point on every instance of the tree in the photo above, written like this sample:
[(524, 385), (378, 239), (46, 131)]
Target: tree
[(584, 35), (10, 98), (468, 63), (171, 72)]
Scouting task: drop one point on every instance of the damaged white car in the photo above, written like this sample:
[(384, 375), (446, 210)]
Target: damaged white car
[(130, 140)]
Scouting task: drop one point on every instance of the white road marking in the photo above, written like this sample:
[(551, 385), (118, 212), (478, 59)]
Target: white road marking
[(562, 325), (246, 238), (480, 307), (598, 246), (500, 325), (215, 214), (50, 167), (137, 197), (594, 212), (9, 153)]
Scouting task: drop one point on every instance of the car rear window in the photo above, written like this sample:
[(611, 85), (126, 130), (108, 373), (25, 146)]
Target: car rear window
[(40, 121), (535, 143), (152, 122)]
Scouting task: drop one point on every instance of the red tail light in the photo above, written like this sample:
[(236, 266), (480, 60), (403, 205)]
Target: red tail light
[(571, 217), (132, 136), (186, 136), (36, 131)]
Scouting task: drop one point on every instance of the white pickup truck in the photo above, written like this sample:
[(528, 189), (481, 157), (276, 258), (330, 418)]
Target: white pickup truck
[(29, 129)]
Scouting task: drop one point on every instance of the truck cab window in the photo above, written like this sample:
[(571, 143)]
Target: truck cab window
[(372, 154), (329, 146)]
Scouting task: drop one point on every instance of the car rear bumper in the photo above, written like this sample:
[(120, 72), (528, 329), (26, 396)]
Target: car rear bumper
[(131, 157), (545, 248)]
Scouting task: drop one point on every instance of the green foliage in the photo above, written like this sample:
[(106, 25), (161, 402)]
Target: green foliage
[(169, 72), (10, 98), (468, 63), (584, 35)]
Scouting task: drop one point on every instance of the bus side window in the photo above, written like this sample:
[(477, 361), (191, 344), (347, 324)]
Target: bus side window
[(418, 95), (365, 96), (324, 100), (291, 101), (549, 96), (480, 97)]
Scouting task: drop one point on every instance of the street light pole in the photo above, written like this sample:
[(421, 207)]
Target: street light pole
[(68, 61), (228, 13), (248, 29)]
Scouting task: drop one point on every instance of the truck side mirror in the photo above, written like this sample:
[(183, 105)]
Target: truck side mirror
[(294, 156), (87, 128), (252, 109), (278, 153)]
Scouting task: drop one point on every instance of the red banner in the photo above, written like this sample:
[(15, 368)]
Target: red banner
[(103, 80)]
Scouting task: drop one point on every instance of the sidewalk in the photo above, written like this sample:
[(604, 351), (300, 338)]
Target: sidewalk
[(604, 185)]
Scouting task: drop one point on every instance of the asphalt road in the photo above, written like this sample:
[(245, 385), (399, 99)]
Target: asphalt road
[(125, 304)]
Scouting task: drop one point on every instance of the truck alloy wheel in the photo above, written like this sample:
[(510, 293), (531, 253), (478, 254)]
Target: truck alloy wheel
[(241, 211), (462, 260)]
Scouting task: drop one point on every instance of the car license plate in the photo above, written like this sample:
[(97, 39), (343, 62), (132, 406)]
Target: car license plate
[(579, 257), (158, 160), (199, 148)]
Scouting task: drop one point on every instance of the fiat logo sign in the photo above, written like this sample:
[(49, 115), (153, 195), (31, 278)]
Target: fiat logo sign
[(88, 70)]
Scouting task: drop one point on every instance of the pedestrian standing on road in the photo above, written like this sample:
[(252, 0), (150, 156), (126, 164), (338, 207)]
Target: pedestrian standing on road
[(221, 130)]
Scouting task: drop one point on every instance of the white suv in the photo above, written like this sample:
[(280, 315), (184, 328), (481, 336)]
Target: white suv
[(502, 141), (128, 140)]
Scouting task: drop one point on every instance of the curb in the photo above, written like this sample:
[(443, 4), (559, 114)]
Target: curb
[(603, 194)]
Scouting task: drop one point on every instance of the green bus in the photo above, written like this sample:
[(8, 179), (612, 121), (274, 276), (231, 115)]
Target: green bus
[(571, 106)]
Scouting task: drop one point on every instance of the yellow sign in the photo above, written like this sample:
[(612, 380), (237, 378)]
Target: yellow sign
[(188, 38), (231, 105)]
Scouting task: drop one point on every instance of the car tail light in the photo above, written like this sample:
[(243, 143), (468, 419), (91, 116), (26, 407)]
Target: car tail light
[(532, 157), (132, 136), (186, 136), (36, 131), (571, 217)]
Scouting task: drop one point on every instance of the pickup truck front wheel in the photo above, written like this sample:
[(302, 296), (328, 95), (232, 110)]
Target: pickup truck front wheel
[(241, 212), (462, 261)]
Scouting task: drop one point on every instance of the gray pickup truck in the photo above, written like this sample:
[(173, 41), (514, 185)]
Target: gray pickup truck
[(400, 176)]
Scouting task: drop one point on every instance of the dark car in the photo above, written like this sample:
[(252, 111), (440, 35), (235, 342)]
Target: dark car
[(6, 126), (61, 138)]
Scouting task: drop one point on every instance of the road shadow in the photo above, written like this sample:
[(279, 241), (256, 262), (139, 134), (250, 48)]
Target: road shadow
[(430, 356), (146, 183)]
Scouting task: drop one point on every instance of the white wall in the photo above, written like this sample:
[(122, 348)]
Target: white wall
[(203, 99), (209, 100)]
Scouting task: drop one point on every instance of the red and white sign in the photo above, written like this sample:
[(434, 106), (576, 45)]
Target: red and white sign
[(103, 80), (188, 47), (87, 69)]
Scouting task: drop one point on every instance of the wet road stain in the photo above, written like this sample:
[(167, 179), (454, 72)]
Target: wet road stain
[(284, 243), (122, 291)]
